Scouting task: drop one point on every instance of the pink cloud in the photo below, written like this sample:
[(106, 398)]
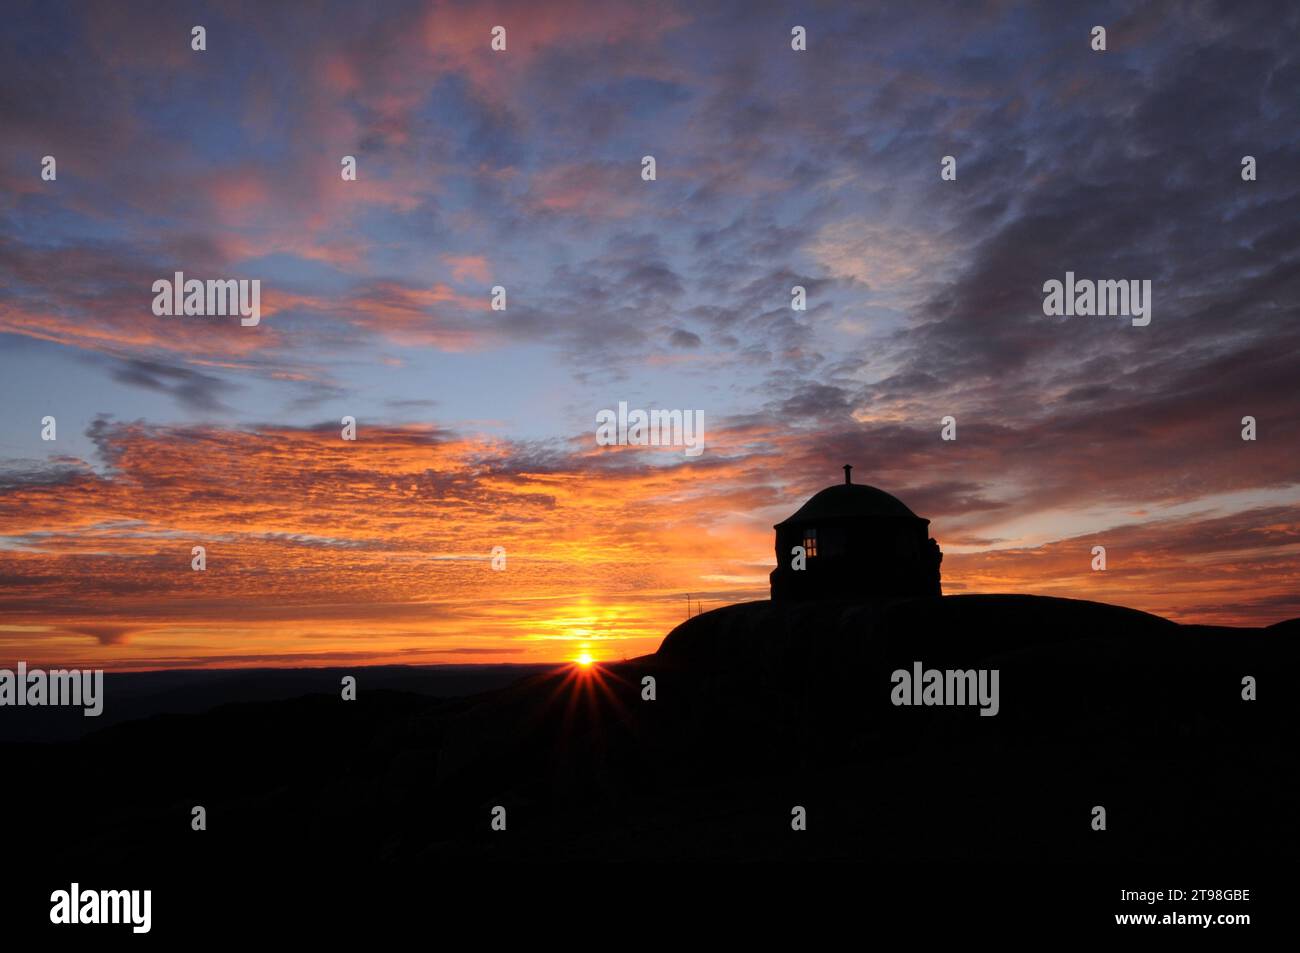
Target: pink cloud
[(467, 266)]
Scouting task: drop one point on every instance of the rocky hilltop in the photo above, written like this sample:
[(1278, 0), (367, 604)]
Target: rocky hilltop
[(757, 709)]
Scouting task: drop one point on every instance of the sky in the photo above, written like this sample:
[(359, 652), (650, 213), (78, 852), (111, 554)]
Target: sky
[(523, 169)]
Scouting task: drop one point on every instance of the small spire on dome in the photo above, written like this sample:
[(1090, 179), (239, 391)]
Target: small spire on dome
[(847, 478)]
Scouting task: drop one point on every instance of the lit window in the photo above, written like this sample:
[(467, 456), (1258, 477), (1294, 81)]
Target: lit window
[(810, 542)]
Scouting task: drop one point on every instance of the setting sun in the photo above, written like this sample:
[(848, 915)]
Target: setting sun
[(584, 659)]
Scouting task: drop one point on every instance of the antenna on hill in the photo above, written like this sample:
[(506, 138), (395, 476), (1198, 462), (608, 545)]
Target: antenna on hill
[(847, 478)]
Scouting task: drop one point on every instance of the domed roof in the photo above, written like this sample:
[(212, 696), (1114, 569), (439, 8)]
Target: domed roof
[(850, 500)]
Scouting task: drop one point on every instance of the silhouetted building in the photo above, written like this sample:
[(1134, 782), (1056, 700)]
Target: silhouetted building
[(860, 542)]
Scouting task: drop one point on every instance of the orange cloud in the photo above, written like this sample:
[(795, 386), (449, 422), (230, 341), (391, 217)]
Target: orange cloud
[(381, 545), (321, 550), (324, 550)]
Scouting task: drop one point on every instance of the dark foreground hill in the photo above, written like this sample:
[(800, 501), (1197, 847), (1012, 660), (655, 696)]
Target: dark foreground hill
[(759, 709)]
